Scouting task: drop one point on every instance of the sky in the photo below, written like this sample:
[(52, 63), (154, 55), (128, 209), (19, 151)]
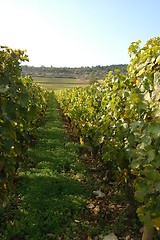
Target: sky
[(77, 33)]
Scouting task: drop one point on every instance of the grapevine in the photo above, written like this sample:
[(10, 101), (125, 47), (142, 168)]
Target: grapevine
[(121, 118), (22, 110)]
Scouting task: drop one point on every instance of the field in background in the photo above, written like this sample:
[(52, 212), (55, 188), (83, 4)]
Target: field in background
[(59, 83)]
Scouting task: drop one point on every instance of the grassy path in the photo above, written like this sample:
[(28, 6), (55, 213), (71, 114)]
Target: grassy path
[(55, 199), (53, 191)]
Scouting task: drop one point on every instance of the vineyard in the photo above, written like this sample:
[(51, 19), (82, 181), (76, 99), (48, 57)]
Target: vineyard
[(118, 121)]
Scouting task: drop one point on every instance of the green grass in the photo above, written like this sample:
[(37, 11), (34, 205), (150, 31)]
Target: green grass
[(59, 83)]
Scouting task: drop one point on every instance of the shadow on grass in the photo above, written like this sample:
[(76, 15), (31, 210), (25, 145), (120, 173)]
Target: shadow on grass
[(54, 192)]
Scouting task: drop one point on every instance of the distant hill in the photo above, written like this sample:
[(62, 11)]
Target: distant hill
[(88, 73)]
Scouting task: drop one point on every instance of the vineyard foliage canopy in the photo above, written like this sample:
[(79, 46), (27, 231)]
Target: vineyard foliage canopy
[(121, 121)]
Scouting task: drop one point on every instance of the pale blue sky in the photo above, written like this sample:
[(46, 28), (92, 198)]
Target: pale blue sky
[(75, 33)]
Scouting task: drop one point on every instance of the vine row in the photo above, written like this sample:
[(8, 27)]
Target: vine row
[(22, 110), (120, 119)]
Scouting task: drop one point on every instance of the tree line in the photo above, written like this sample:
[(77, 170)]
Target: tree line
[(84, 73)]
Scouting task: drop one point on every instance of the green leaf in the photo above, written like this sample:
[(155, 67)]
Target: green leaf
[(151, 155), (141, 192), (136, 163), (157, 186), (3, 89), (154, 129), (151, 173)]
